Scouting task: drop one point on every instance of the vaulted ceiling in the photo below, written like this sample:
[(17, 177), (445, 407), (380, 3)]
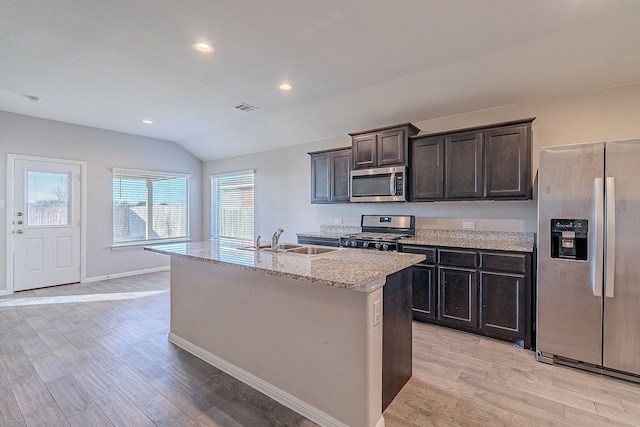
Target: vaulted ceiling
[(354, 64)]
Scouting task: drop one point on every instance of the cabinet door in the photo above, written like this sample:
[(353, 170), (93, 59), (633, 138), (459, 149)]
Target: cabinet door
[(424, 292), (458, 297), (320, 178), (507, 156), (463, 166), (427, 169), (340, 168), (503, 304), (365, 151), (391, 148)]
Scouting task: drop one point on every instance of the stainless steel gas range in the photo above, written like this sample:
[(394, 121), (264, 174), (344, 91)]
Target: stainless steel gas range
[(381, 232)]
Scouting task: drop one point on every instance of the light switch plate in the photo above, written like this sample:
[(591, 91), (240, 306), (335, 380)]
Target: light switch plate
[(470, 225), (337, 221)]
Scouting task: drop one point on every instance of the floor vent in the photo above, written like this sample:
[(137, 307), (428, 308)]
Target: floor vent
[(243, 106)]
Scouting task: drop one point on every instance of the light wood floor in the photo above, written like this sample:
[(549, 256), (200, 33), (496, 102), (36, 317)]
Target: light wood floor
[(97, 355), (461, 379)]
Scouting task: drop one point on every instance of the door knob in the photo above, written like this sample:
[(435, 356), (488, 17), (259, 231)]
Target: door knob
[(19, 231)]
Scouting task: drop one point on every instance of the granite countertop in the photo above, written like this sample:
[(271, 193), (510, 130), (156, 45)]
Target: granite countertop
[(491, 240), (358, 269), (332, 231), (321, 234), (472, 239)]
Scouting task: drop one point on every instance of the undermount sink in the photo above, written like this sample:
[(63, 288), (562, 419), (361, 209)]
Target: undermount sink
[(292, 248), (311, 250)]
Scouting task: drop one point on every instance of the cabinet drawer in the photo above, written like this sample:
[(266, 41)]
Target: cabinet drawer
[(515, 263), (430, 253), (467, 259)]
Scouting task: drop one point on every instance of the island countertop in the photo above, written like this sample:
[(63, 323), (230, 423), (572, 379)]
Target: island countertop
[(357, 269)]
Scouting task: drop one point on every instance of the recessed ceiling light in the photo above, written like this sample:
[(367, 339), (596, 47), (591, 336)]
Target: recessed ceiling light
[(202, 47), (286, 86), (147, 121)]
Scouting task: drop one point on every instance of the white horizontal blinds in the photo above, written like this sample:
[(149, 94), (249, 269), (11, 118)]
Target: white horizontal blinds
[(149, 206), (232, 205)]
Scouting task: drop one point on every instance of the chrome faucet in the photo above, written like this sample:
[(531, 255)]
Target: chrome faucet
[(258, 242), (275, 238)]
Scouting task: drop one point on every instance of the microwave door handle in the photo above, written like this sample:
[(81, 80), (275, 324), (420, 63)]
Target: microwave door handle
[(392, 184)]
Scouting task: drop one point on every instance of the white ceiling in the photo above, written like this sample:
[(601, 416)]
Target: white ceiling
[(355, 64)]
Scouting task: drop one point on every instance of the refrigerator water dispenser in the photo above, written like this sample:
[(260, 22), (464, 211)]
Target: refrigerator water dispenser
[(569, 238)]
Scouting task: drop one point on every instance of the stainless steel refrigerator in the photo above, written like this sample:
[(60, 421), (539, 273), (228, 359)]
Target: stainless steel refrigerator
[(588, 294)]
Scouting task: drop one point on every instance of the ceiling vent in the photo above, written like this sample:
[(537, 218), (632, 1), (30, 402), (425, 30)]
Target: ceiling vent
[(243, 106)]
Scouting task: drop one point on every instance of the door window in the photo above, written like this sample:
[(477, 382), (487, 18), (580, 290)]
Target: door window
[(48, 198)]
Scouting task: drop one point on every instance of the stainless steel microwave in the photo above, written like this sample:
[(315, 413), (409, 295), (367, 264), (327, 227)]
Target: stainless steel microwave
[(379, 184)]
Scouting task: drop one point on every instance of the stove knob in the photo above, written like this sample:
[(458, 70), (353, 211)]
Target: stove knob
[(385, 247), (378, 246), (354, 244), (365, 245)]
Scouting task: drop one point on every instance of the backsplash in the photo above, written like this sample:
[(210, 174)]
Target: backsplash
[(340, 229), (472, 235)]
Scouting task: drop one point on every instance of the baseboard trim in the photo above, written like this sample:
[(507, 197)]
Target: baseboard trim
[(125, 274), (280, 396), (5, 292)]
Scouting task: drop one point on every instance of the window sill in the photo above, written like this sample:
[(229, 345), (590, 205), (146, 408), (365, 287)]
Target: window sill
[(141, 245)]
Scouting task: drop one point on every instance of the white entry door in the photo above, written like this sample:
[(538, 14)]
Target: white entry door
[(46, 223)]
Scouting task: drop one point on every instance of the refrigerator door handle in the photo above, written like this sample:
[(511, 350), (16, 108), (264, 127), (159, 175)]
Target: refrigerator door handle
[(597, 249), (610, 248)]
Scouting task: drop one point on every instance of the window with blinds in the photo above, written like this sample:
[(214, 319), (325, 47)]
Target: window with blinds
[(232, 198), (149, 207)]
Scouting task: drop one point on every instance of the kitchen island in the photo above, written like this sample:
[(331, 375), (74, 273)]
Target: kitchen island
[(311, 331)]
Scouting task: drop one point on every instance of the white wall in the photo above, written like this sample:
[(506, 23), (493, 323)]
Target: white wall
[(283, 176), (102, 150)]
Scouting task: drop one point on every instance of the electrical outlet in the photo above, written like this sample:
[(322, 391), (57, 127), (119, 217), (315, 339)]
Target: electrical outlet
[(337, 221), (377, 312), (470, 225)]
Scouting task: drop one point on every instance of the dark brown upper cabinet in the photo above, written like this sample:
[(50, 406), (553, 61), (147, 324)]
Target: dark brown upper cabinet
[(488, 162), (463, 166), (427, 168), (382, 147), (330, 176), (507, 157)]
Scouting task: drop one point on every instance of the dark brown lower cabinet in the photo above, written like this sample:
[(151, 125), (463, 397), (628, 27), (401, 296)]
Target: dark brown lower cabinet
[(479, 291), (458, 297), (397, 336), (321, 241), (503, 303), (424, 292)]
